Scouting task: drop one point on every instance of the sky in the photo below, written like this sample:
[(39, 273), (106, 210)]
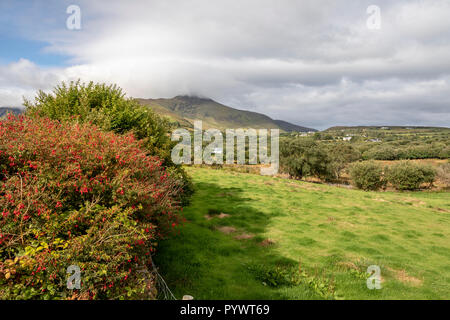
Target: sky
[(315, 63)]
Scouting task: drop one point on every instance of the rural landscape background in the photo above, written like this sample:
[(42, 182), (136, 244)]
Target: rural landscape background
[(93, 205)]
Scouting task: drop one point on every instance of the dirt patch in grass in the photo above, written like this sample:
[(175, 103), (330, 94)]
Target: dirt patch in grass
[(348, 265), (244, 236), (403, 276), (226, 229), (345, 225), (267, 242), (415, 202), (220, 216)]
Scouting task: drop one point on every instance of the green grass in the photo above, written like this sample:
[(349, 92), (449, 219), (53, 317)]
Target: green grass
[(330, 234)]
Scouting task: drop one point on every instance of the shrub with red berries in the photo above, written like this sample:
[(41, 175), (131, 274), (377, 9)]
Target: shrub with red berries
[(72, 194)]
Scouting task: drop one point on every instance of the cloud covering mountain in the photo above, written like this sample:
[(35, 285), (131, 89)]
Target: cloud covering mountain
[(313, 62)]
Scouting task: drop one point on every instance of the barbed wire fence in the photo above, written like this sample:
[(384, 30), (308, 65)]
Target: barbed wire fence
[(164, 292)]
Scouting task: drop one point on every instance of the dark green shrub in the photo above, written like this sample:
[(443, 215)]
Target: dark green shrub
[(444, 153), (429, 174), (408, 175), (367, 175), (305, 157)]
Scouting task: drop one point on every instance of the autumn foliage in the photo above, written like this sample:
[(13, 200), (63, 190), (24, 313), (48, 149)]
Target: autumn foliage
[(72, 194)]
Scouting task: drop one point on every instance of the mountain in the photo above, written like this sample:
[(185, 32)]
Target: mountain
[(183, 110), (6, 110), (287, 126), (386, 127)]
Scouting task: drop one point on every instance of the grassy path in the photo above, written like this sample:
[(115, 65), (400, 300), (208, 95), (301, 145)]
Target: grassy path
[(284, 239)]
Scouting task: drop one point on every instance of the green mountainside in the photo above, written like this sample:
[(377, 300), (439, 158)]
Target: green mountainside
[(183, 110)]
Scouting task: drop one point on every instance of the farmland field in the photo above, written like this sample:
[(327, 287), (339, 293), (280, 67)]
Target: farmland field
[(254, 237)]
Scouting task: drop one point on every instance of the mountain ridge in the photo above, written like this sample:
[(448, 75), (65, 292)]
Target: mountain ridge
[(385, 127), (186, 109), (16, 110)]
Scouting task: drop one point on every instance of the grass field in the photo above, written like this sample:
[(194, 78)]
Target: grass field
[(254, 237)]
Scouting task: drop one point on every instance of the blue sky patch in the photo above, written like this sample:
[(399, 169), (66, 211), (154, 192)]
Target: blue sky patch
[(13, 49)]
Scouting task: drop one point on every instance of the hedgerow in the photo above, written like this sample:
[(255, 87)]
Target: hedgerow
[(72, 194), (408, 175), (107, 107)]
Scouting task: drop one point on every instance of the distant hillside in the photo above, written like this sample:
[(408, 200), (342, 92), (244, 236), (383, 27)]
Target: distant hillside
[(287, 126), (185, 109), (336, 128), (6, 110)]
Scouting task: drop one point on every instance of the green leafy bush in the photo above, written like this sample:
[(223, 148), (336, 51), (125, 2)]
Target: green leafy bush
[(382, 153), (341, 154), (408, 175), (367, 175), (72, 194), (304, 157), (444, 153), (429, 174), (107, 107)]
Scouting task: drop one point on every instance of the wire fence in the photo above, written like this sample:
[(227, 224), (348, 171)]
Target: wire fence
[(164, 292)]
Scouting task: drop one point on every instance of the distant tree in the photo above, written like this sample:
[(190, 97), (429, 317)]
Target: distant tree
[(341, 154), (305, 157), (317, 136)]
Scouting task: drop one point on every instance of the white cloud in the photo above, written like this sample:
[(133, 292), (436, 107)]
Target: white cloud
[(23, 78), (311, 62)]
